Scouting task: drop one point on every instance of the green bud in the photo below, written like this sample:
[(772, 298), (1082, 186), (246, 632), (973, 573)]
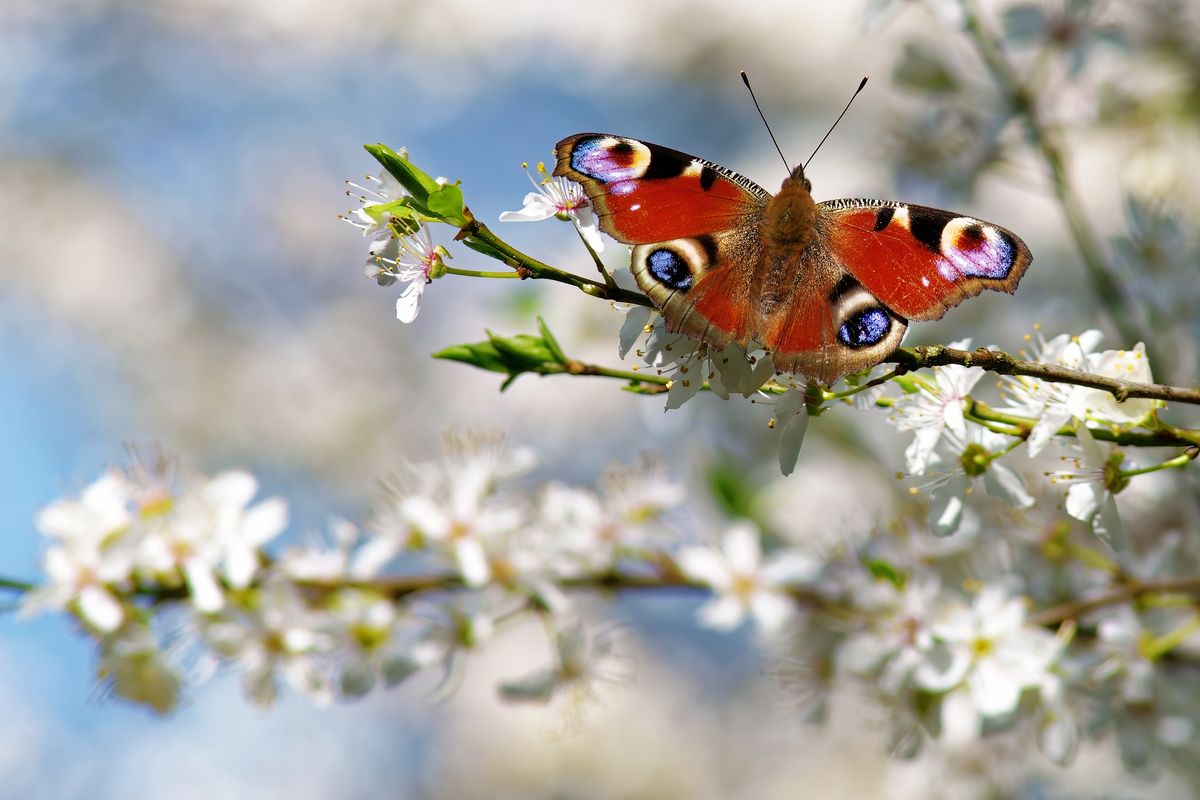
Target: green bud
[(975, 459)]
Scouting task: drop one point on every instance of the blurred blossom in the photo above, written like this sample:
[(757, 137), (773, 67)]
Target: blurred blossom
[(1123, 645), (989, 651), (453, 504), (897, 633), (92, 554), (744, 582), (560, 198)]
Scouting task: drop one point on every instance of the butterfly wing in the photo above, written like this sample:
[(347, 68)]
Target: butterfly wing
[(919, 261), (694, 224), (830, 324)]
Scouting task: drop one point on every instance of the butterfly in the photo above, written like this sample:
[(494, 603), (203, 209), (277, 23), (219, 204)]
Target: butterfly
[(827, 288)]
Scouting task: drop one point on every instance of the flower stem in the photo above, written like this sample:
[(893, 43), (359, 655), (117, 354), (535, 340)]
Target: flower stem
[(477, 273), (529, 267), (16, 585)]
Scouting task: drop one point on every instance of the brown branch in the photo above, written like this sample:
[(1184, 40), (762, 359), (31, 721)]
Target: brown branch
[(1073, 609), (1004, 364)]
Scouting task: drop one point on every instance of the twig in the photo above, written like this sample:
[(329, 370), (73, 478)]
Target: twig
[(1073, 609)]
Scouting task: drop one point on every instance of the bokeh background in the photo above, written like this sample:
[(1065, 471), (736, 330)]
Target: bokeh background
[(173, 273)]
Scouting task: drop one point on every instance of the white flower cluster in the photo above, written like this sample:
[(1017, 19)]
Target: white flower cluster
[(163, 571), (143, 559), (956, 455)]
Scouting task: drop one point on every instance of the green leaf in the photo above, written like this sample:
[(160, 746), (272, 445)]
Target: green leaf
[(446, 202), (480, 354), (552, 343), (885, 570), (523, 353), (418, 183)]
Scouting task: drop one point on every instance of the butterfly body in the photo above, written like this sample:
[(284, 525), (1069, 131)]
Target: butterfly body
[(828, 288)]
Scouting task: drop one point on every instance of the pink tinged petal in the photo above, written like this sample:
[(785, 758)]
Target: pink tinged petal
[(100, 609), (705, 565), (202, 585), (741, 546), (408, 305), (723, 613), (472, 562), (994, 691), (771, 610)]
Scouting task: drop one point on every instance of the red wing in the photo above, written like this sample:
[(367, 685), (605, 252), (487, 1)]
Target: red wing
[(645, 193), (920, 261)]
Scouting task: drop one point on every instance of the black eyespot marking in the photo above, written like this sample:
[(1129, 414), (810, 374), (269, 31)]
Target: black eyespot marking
[(666, 164), (710, 248), (621, 148), (865, 328), (708, 176), (669, 269), (844, 286), (927, 228), (883, 218), (974, 232)]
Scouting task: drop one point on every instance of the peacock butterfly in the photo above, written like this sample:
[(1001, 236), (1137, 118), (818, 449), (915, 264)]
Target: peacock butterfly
[(828, 288)]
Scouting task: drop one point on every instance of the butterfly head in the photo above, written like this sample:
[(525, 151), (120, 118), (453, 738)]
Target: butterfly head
[(797, 177), (790, 218)]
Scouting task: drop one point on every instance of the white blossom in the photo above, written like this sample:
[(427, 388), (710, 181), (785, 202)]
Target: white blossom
[(1092, 481), (934, 409), (1054, 404), (744, 584), (91, 555), (987, 650), (560, 198)]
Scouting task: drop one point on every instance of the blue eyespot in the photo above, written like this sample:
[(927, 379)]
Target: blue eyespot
[(867, 327), (669, 269)]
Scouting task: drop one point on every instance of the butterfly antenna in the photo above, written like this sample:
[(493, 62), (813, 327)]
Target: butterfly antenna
[(746, 80), (861, 84)]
